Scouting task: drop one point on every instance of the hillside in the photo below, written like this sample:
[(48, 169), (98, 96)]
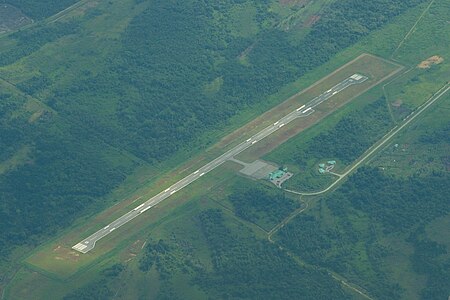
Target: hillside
[(111, 95)]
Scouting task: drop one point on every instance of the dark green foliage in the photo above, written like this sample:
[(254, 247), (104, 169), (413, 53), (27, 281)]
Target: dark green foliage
[(170, 258), (11, 138), (262, 205), (398, 203), (28, 41), (153, 251), (98, 290), (34, 84), (427, 260), (114, 270), (173, 49), (63, 177), (351, 136), (246, 268), (42, 8), (368, 203), (437, 136)]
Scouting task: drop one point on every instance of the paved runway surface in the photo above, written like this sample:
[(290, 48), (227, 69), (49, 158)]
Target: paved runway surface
[(89, 243)]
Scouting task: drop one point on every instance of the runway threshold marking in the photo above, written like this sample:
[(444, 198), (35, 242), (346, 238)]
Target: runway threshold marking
[(89, 243)]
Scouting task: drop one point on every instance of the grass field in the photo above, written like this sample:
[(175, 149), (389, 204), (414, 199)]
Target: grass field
[(58, 258), (48, 268), (373, 257), (377, 69), (422, 148)]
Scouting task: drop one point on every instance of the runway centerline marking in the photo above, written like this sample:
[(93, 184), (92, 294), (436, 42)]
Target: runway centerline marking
[(89, 243)]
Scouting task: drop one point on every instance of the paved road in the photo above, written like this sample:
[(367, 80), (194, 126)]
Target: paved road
[(387, 137), (89, 243)]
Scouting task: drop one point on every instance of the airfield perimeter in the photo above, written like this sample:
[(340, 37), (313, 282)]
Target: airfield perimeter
[(305, 110), (60, 259)]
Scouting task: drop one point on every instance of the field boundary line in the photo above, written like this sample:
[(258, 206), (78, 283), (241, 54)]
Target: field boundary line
[(332, 274), (387, 137), (413, 28), (59, 15)]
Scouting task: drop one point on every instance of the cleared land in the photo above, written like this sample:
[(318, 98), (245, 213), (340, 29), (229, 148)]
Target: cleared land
[(302, 112), (375, 68), (11, 18), (59, 259)]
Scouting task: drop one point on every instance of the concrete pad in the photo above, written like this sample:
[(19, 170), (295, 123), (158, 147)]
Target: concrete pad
[(258, 169)]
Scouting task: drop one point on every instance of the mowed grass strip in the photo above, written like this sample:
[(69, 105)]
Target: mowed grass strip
[(59, 259), (377, 69)]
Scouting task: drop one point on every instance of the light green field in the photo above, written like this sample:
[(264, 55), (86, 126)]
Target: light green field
[(422, 148), (377, 69), (50, 273), (58, 258)]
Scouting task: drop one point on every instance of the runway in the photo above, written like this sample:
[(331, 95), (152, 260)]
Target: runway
[(305, 110)]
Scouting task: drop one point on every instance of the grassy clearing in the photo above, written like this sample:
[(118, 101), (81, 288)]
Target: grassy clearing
[(68, 262), (376, 69), (422, 148), (58, 258), (379, 43)]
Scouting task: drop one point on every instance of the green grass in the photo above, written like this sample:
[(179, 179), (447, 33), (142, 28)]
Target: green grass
[(308, 180), (243, 21), (179, 213), (422, 148)]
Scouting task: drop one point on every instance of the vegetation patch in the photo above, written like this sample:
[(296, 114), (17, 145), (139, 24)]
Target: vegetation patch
[(244, 267), (350, 231), (262, 205), (375, 68), (347, 140), (11, 18), (40, 9), (423, 148)]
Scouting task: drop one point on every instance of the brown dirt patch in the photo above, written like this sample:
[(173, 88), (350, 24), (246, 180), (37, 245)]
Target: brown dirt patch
[(434, 60), (64, 253), (397, 103), (311, 21), (132, 251)]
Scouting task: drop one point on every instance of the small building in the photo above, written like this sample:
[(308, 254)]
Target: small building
[(276, 174), (321, 171), (331, 162), (322, 166)]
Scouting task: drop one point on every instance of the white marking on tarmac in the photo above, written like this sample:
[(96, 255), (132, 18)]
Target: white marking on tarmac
[(139, 206), (217, 162), (298, 109), (145, 209)]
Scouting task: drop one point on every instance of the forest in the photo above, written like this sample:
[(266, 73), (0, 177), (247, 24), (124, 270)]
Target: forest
[(244, 267), (41, 9), (264, 206), (350, 137), (388, 206), (150, 100)]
